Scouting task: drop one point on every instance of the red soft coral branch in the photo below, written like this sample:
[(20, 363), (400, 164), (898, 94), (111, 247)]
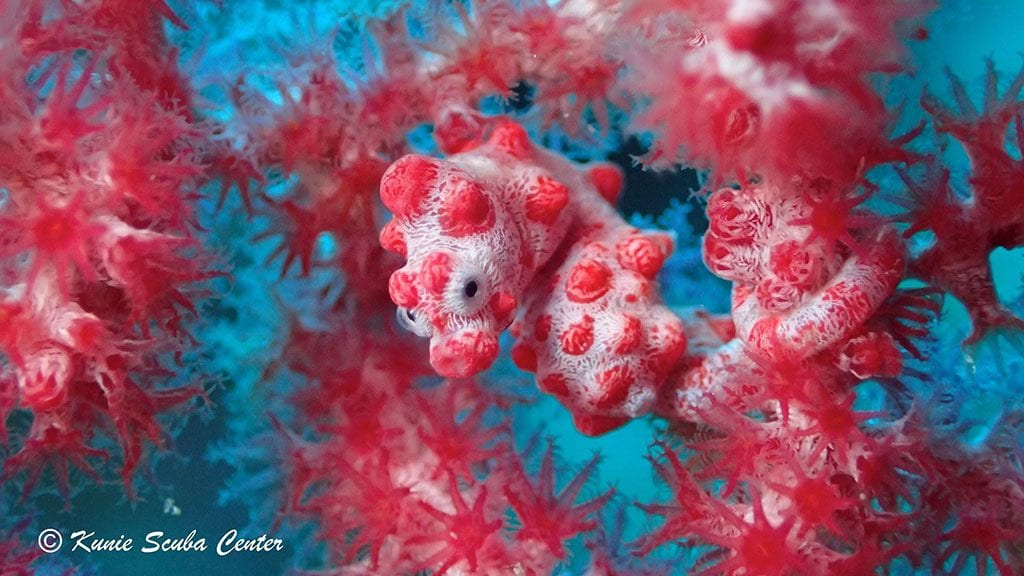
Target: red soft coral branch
[(100, 260), (463, 535), (968, 230), (553, 518)]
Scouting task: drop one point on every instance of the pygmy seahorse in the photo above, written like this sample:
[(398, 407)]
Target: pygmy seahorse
[(507, 230)]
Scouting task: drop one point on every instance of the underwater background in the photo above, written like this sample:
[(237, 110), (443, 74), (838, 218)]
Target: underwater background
[(218, 474)]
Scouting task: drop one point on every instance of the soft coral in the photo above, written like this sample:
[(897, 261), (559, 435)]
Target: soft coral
[(691, 505), (155, 272), (756, 545), (70, 115), (548, 517), (454, 429), (967, 230), (463, 535), (49, 444), (151, 162), (99, 185), (16, 558), (382, 506), (62, 232), (775, 91), (957, 261)]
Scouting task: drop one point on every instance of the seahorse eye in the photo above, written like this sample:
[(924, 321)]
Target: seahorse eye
[(410, 321), (406, 318), (468, 291)]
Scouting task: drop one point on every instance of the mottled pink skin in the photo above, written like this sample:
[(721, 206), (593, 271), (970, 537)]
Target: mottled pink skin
[(596, 332), (474, 229), (803, 302), (797, 292), (505, 227)]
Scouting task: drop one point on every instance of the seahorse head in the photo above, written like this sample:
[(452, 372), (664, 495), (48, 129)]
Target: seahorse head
[(463, 275)]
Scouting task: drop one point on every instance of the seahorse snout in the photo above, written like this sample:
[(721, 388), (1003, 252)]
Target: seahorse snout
[(465, 353)]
